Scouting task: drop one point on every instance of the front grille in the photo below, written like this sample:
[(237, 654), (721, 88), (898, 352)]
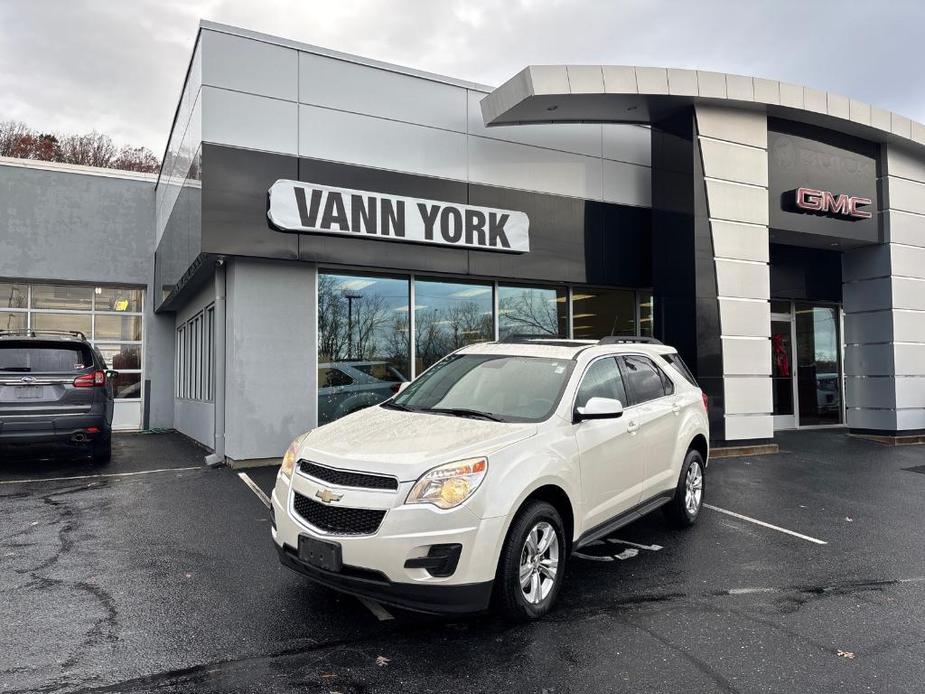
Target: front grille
[(345, 478), (337, 520)]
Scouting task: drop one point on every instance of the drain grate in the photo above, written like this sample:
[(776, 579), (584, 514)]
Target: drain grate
[(918, 468)]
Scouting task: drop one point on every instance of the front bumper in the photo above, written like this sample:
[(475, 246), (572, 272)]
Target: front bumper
[(376, 565), (434, 599)]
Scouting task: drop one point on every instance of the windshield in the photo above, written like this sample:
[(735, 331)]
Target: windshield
[(490, 386)]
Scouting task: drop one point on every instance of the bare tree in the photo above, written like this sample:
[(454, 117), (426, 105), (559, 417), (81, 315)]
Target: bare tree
[(11, 136), (529, 313), (91, 149)]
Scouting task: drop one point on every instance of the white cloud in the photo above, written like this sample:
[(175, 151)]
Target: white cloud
[(118, 66)]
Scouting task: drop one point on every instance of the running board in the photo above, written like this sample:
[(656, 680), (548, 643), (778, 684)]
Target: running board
[(614, 524)]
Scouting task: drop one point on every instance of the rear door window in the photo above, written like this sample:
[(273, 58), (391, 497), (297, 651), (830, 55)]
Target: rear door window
[(645, 381), (44, 357), (678, 364)]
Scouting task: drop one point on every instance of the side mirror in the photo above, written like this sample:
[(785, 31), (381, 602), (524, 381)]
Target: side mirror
[(600, 408)]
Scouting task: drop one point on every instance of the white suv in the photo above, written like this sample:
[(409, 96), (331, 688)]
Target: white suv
[(479, 478)]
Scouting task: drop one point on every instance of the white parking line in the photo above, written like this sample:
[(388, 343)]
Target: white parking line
[(766, 525), (111, 474), (382, 614), (378, 610), (264, 499)]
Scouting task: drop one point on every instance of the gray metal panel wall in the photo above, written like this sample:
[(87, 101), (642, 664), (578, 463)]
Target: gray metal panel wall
[(93, 227), (884, 295), (733, 145), (271, 373)]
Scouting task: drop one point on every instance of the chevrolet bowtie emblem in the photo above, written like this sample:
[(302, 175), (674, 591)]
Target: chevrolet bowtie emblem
[(327, 496)]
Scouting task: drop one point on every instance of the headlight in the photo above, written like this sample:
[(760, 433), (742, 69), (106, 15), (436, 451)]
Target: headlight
[(449, 485), (291, 456)]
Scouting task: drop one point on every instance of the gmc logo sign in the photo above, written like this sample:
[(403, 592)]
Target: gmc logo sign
[(841, 205)]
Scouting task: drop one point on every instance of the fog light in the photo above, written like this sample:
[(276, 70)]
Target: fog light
[(440, 561)]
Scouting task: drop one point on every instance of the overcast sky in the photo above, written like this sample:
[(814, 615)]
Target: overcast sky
[(117, 65)]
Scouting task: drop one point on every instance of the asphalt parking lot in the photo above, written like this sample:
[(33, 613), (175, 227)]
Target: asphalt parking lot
[(155, 573)]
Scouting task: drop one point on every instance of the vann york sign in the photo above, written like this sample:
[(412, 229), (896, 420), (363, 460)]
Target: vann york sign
[(310, 208)]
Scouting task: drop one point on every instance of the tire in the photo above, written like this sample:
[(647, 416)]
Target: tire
[(683, 510), (514, 601), (102, 452)]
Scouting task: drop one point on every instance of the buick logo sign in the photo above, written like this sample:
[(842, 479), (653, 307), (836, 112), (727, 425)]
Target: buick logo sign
[(28, 379), (785, 153)]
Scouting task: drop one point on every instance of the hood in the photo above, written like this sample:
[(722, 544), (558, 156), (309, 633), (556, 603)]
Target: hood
[(406, 444)]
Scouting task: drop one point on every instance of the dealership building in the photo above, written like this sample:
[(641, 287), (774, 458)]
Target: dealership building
[(326, 226)]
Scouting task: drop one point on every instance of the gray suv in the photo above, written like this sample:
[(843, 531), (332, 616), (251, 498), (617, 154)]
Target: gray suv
[(55, 395)]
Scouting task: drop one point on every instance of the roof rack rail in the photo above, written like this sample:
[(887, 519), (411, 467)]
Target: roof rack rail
[(518, 337), (629, 340), (29, 332)]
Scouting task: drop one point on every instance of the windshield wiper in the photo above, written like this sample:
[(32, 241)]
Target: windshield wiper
[(22, 369), (398, 406), (463, 412)]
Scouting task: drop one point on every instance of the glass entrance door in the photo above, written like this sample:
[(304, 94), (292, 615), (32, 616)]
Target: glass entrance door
[(818, 368), (806, 369), (782, 366)]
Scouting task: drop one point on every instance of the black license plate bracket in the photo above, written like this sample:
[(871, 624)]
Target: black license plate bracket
[(320, 553)]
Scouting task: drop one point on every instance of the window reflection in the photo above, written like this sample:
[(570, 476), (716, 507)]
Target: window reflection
[(818, 368), (449, 315), (599, 313), (118, 299), (62, 296), (363, 341), (13, 295), (12, 321), (532, 311), (62, 321), (121, 356), (646, 323), (113, 327)]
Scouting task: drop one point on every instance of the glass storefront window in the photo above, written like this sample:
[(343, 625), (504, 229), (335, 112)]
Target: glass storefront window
[(12, 321), (449, 315), (127, 385), (13, 295), (62, 296), (363, 341), (541, 311), (121, 356), (62, 321), (646, 314), (114, 327), (118, 299), (599, 313)]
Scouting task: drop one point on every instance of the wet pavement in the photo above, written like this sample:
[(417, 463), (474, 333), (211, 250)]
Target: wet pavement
[(166, 580)]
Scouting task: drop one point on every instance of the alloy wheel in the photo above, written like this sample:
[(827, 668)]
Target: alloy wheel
[(693, 488), (539, 562)]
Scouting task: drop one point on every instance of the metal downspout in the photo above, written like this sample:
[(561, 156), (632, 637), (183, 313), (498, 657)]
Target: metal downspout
[(218, 456)]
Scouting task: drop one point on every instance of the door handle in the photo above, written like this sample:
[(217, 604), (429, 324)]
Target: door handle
[(676, 408), (631, 427)]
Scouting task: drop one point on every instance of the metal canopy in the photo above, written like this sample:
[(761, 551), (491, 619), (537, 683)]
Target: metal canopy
[(642, 95)]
